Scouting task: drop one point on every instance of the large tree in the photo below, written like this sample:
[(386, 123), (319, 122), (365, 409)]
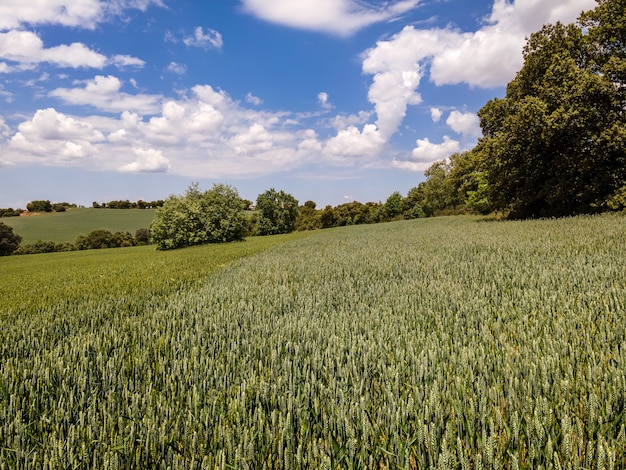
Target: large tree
[(556, 143), (9, 241), (198, 218), (279, 212)]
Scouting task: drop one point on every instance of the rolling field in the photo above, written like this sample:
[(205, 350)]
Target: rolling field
[(438, 343), (66, 226)]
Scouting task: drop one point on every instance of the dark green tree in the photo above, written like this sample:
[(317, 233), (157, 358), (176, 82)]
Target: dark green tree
[(198, 218), (39, 206), (556, 144), (393, 207), (9, 241), (279, 212)]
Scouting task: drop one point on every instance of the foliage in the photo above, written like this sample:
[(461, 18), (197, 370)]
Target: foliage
[(10, 212), (126, 204), (555, 145), (279, 212), (100, 238), (9, 241), (142, 236), (44, 247), (438, 343), (39, 206), (196, 218)]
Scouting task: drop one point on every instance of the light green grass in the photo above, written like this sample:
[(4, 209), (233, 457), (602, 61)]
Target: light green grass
[(450, 343), (66, 226), (33, 283)]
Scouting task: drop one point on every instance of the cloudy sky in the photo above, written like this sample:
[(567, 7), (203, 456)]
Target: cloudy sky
[(330, 100)]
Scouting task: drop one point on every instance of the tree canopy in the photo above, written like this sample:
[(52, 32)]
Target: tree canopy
[(279, 212), (9, 241), (555, 145), (199, 217)]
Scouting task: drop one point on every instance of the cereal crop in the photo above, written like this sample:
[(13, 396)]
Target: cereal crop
[(447, 343)]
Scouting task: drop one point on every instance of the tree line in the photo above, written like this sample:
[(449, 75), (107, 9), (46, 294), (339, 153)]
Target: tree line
[(126, 204), (555, 145)]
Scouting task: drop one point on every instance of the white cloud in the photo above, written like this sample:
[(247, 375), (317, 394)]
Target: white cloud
[(426, 153), (148, 160), (75, 13), (351, 143), (55, 137), (104, 93), (492, 55), (4, 129), (322, 99), (177, 68), (27, 50), (340, 17), (466, 124), (121, 61), (488, 57), (210, 39), (255, 100), (435, 114), (205, 133)]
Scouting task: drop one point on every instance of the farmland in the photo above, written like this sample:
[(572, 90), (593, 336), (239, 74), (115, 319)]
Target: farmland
[(451, 342), (66, 226)]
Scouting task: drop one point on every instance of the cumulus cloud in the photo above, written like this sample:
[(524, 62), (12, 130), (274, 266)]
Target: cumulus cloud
[(121, 61), (339, 17), (148, 161), (466, 124), (490, 56), (208, 40), (55, 137), (204, 132), (426, 153), (27, 50), (75, 13), (351, 143), (104, 93)]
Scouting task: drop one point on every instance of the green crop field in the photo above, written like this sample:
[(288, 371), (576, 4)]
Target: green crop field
[(66, 226), (436, 343)]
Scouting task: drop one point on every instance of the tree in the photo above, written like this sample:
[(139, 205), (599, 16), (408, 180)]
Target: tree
[(393, 206), (556, 144), (39, 206), (9, 241), (142, 236), (279, 212), (606, 35), (197, 218)]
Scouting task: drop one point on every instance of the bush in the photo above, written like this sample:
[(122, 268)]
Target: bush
[(196, 218), (9, 241)]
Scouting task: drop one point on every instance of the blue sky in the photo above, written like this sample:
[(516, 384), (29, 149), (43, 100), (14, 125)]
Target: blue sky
[(329, 100)]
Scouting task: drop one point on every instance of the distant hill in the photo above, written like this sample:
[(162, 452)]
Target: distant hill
[(66, 226)]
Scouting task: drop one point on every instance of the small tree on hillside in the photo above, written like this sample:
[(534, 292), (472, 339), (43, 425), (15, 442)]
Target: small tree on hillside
[(9, 241), (279, 212), (196, 218)]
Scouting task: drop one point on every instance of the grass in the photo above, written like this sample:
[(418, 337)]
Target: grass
[(450, 343), (66, 226), (32, 283)]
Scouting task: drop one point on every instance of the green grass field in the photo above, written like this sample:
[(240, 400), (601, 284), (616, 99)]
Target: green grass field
[(446, 343), (66, 226)]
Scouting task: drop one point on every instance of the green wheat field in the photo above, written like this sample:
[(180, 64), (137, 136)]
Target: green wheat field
[(60, 227), (444, 343)]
